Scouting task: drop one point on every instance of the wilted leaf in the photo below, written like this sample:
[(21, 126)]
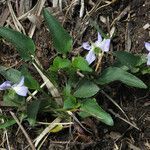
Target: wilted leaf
[(57, 128)]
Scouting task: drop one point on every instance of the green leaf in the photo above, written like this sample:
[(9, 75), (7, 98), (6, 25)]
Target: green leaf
[(116, 74), (30, 82), (10, 98), (61, 39), (86, 89), (70, 102), (32, 111), (145, 70), (60, 63), (24, 45), (83, 114), (7, 124), (91, 107), (81, 63), (127, 59), (11, 74), (4, 117), (47, 104), (67, 90)]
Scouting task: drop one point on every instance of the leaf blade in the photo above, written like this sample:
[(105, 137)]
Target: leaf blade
[(62, 41), (24, 45), (117, 74), (127, 59), (86, 89), (7, 124), (11, 74), (91, 107), (32, 111), (81, 63)]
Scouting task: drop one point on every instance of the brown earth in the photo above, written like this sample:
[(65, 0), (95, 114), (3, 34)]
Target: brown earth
[(131, 19)]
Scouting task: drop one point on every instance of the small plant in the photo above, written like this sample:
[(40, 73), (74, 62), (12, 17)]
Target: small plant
[(19, 88), (73, 84), (97, 48)]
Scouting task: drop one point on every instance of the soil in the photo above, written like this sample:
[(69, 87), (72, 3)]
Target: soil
[(131, 20)]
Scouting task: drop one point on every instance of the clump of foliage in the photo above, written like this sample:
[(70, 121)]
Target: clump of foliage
[(81, 81)]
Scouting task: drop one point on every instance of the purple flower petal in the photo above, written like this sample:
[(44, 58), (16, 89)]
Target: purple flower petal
[(147, 46), (99, 37), (86, 46), (99, 40), (21, 90), (90, 57), (148, 57), (5, 85), (105, 45)]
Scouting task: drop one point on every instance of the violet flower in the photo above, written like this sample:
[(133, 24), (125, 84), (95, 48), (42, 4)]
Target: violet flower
[(19, 88), (102, 44), (147, 46)]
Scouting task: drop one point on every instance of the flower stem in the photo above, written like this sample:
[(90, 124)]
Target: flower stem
[(98, 65)]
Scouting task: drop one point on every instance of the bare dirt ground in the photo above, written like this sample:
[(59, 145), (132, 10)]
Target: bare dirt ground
[(131, 20)]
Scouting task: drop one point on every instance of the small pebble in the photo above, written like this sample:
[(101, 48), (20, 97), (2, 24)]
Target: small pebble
[(146, 26)]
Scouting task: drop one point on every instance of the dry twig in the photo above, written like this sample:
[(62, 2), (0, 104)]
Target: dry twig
[(46, 131), (17, 24), (23, 130), (55, 93), (81, 9), (114, 103), (117, 115), (39, 7)]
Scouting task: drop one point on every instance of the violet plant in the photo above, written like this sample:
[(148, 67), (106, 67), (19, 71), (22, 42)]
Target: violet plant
[(102, 45), (19, 88), (73, 85)]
